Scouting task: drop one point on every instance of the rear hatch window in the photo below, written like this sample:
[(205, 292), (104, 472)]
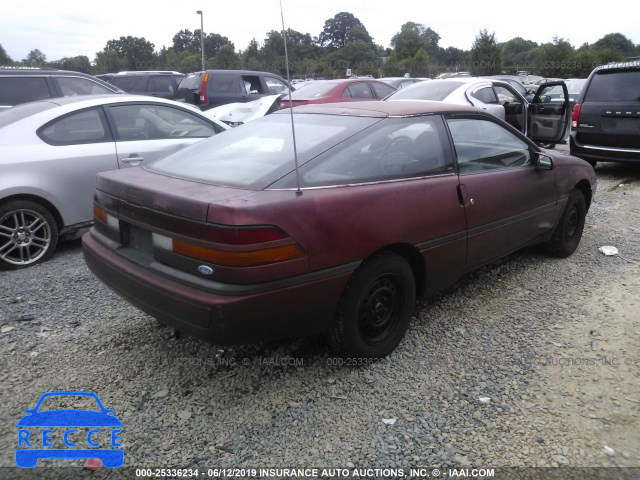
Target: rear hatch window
[(609, 86), (258, 153)]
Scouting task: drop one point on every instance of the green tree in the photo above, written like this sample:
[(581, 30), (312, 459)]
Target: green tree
[(555, 59), (517, 53), (35, 58), (109, 61), (226, 58), (137, 52), (485, 57), (414, 36), (79, 63), (5, 59), (618, 43), (342, 28), (453, 58)]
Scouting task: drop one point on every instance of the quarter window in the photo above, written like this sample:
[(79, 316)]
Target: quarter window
[(86, 126), (484, 145), (359, 90), (156, 122), (275, 86), (397, 148), (485, 95), (382, 90)]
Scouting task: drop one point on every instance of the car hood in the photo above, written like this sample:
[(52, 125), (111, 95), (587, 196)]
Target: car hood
[(69, 418)]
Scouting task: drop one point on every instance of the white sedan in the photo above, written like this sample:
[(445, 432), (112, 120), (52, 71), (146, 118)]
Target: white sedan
[(51, 151)]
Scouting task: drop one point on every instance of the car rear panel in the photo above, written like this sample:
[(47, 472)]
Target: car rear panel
[(221, 303), (608, 125)]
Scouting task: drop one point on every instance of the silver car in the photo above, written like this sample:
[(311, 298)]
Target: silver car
[(51, 151), (542, 120)]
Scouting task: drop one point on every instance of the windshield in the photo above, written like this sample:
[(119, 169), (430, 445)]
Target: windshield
[(312, 90), (258, 153), (437, 90)]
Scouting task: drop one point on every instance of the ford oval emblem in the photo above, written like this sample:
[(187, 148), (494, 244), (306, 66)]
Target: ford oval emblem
[(205, 270)]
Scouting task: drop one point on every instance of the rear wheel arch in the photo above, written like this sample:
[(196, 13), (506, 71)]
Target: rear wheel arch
[(585, 187), (40, 201), (415, 260)]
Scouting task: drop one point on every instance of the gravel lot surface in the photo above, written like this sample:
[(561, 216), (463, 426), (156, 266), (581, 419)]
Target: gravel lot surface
[(531, 362)]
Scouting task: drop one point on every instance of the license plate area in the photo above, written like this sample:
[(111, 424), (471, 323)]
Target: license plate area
[(139, 239)]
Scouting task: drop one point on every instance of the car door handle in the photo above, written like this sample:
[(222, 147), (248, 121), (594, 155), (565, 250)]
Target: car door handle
[(132, 159)]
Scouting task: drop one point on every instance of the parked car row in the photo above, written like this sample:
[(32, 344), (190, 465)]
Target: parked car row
[(233, 236), (18, 85)]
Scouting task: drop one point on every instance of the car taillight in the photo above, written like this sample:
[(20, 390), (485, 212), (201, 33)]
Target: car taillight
[(106, 218), (236, 247), (575, 118), (203, 88)]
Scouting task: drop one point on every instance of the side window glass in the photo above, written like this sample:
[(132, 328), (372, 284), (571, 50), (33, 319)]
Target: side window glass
[(484, 145), (399, 148), (382, 90), (86, 126), (16, 90), (360, 90), (506, 96), (485, 95), (154, 122), (275, 86), (72, 86), (252, 84), (160, 83)]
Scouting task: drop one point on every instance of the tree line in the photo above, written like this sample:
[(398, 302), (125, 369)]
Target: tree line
[(344, 43)]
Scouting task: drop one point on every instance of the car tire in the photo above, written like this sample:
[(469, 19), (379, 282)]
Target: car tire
[(566, 237), (593, 163), (375, 309), (548, 146), (28, 234)]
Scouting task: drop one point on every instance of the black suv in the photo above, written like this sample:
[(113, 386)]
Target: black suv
[(213, 88), (606, 119), (156, 83), (22, 85)]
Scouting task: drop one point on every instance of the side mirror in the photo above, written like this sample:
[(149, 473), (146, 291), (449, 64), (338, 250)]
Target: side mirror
[(544, 162)]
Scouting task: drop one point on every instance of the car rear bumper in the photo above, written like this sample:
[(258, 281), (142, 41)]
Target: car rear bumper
[(603, 153), (285, 309)]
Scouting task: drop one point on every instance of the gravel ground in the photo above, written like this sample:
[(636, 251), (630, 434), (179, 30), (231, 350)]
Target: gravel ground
[(530, 362)]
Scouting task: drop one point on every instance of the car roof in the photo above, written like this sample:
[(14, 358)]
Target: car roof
[(630, 65), (62, 105), (391, 108), (41, 71)]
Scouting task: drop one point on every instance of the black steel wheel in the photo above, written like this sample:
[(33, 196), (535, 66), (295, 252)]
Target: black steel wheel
[(566, 237), (375, 308)]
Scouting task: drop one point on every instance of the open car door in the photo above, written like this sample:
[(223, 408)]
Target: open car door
[(548, 115)]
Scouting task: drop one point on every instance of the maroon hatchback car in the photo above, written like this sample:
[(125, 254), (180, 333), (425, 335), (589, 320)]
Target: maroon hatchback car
[(396, 199)]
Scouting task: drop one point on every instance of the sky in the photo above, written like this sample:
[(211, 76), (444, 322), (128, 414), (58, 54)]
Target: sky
[(66, 28)]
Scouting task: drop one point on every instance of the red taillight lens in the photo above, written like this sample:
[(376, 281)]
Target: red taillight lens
[(575, 118), (244, 236), (203, 88)]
